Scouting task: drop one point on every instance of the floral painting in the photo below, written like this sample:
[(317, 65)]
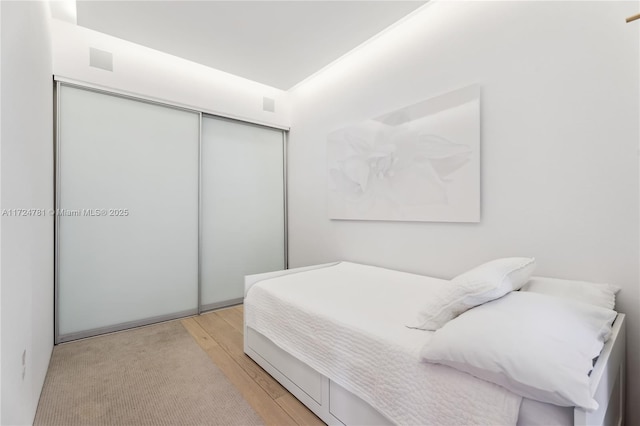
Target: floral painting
[(419, 163)]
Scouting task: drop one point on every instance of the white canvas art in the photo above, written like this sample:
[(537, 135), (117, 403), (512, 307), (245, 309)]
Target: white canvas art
[(419, 163)]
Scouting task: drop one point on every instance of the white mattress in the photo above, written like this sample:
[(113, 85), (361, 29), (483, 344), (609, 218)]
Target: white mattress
[(348, 322)]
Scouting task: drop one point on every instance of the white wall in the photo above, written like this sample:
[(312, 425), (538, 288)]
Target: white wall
[(0, 226), (560, 130), (26, 177), (143, 71)]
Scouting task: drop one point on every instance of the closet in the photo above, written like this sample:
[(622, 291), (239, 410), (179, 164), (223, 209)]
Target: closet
[(161, 210), (242, 207)]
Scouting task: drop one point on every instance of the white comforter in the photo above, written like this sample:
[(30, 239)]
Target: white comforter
[(348, 322)]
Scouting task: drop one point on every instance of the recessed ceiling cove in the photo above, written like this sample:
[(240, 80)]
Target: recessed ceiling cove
[(278, 43)]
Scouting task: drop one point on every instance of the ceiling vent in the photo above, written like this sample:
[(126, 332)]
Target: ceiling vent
[(268, 104), (100, 59)]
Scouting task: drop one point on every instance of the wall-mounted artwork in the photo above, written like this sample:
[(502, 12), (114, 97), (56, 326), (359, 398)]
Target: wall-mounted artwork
[(419, 163)]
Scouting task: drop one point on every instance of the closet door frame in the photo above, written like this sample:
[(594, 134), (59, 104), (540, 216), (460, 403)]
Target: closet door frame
[(58, 83)]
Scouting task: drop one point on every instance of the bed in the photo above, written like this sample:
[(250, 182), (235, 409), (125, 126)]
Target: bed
[(346, 353)]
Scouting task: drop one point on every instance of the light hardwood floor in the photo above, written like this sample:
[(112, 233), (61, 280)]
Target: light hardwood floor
[(219, 333)]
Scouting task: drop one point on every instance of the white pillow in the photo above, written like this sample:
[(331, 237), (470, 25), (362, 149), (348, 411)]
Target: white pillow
[(479, 285), (603, 295), (535, 345)]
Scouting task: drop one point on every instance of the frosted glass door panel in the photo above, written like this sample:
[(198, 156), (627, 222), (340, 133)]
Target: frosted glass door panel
[(242, 206), (137, 163)]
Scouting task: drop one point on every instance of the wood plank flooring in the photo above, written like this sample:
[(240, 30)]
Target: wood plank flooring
[(219, 333)]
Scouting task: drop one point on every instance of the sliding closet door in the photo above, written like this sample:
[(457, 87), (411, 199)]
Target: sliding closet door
[(242, 207), (128, 219)]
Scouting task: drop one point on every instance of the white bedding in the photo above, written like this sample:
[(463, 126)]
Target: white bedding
[(348, 323), (536, 413)]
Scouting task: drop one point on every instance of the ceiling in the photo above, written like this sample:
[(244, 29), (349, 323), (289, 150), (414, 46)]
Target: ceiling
[(278, 43)]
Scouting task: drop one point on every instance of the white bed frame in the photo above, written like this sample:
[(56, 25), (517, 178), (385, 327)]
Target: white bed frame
[(337, 406)]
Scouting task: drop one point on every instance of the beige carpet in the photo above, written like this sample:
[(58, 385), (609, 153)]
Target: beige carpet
[(155, 375)]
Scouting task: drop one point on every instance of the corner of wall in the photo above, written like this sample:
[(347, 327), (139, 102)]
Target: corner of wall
[(26, 179)]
